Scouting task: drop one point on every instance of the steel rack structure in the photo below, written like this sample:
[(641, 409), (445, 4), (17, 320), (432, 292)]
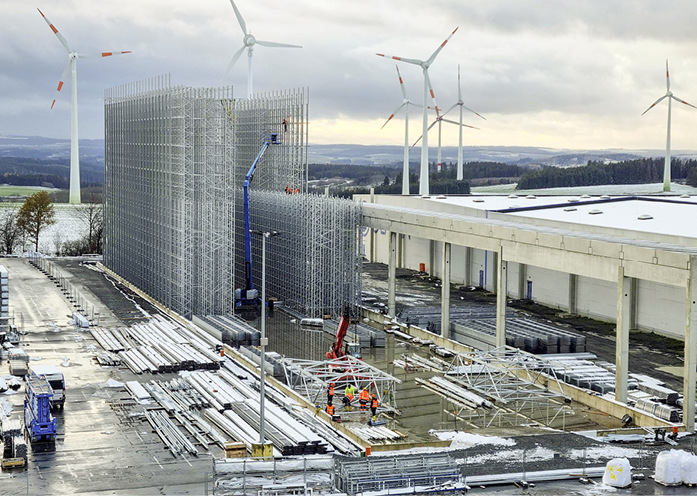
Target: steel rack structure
[(175, 161), (311, 379), (501, 386)]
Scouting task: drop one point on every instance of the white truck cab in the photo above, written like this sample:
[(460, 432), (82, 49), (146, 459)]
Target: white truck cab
[(55, 378)]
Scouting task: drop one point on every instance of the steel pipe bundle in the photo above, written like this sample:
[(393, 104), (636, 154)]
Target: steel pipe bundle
[(170, 434)]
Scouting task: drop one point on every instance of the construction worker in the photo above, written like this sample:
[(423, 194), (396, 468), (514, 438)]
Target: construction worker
[(330, 394), (330, 410), (374, 405), (363, 399), (285, 125), (348, 397)]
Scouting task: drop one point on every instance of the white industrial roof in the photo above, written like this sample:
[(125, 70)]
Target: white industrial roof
[(655, 215)]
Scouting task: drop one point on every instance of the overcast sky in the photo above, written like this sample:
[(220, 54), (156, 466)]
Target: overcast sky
[(552, 73)]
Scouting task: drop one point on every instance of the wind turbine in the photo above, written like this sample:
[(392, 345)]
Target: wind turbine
[(460, 104), (669, 95), (404, 105), (248, 42), (74, 147), (424, 64)]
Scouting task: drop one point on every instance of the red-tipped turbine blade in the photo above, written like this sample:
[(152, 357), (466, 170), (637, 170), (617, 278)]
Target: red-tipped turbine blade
[(667, 77), (63, 41), (61, 83), (394, 112), (401, 83), (433, 56), (430, 90), (654, 104), (109, 54), (401, 59), (682, 101)]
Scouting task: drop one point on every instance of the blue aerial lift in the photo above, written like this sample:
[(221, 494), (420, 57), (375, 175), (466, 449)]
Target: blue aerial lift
[(40, 424), (249, 295)]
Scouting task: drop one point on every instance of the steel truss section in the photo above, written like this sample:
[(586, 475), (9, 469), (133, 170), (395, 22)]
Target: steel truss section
[(311, 379), (513, 387), (175, 161)]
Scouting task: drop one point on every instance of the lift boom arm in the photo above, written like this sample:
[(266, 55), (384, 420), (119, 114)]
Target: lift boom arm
[(337, 349)]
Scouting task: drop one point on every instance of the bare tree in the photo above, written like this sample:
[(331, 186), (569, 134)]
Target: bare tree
[(93, 215), (10, 233)]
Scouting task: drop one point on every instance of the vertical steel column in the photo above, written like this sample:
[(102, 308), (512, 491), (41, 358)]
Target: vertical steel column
[(501, 284)]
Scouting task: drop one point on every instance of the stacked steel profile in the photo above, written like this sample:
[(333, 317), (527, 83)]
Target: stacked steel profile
[(175, 161)]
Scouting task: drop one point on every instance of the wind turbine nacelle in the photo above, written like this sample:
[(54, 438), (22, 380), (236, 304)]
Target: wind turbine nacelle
[(249, 40)]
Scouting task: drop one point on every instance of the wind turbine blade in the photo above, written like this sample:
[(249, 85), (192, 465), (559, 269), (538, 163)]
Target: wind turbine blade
[(278, 45), (233, 60), (475, 113), (654, 104), (681, 101), (459, 86), (61, 82), (453, 106), (103, 54), (458, 124), (394, 112), (239, 17), (63, 41), (429, 128), (430, 89), (401, 83), (433, 56), (667, 77), (401, 59)]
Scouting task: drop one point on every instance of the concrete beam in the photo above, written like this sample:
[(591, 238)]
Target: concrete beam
[(624, 305), (392, 276), (445, 292), (501, 285), (690, 348)]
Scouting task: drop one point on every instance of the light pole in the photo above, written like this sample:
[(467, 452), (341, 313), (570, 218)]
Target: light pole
[(263, 340)]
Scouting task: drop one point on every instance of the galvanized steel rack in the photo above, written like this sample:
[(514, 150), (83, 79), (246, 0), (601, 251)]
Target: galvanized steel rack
[(175, 161)]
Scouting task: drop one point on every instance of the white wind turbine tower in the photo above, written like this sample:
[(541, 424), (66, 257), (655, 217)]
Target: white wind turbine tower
[(460, 104), (669, 95), (424, 64), (248, 42), (74, 147), (405, 105)]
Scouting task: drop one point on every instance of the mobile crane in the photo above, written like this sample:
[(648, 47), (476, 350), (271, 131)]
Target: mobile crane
[(338, 350), (249, 295)]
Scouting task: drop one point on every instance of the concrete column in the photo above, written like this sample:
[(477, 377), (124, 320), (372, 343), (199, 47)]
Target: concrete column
[(522, 280), (573, 293), (634, 303), (468, 266), (391, 275), (501, 284), (432, 258), (371, 254), (624, 299), (690, 348), (445, 292), (401, 243)]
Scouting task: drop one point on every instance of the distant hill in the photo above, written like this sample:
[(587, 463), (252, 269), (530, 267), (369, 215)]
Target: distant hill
[(387, 155)]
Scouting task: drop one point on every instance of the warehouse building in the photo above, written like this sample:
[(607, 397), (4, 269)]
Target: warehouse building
[(627, 260)]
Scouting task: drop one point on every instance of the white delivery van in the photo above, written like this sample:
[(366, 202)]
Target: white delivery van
[(55, 378)]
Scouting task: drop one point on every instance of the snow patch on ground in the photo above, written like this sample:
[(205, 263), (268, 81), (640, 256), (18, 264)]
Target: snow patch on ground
[(605, 452), (463, 440)]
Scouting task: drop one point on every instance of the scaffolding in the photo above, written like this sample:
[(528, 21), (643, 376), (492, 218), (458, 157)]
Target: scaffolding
[(175, 161)]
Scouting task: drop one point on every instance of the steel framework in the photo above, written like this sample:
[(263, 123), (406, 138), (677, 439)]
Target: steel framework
[(502, 385), (175, 161)]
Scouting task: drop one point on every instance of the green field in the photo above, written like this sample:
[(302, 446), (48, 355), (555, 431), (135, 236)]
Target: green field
[(9, 190)]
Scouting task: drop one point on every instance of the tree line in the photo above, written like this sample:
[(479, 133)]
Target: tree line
[(636, 171), (24, 225)]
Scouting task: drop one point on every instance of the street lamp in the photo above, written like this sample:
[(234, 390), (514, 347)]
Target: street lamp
[(264, 341)]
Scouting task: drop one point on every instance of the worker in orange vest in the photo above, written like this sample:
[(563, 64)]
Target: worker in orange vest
[(363, 399), (330, 394), (330, 410), (374, 405)]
